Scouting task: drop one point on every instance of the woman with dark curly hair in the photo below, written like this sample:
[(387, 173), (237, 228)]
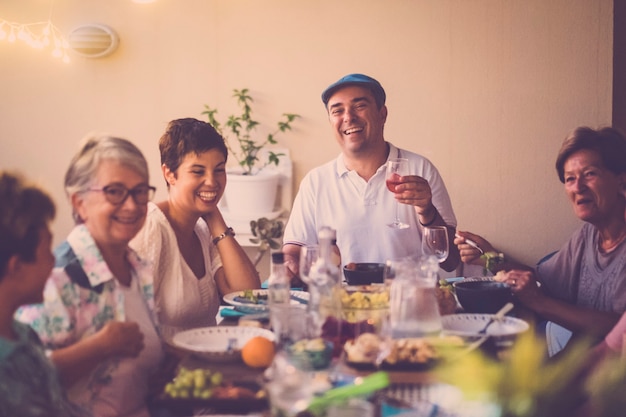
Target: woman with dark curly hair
[(29, 385)]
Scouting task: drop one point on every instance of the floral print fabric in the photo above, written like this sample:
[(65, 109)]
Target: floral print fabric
[(80, 297)]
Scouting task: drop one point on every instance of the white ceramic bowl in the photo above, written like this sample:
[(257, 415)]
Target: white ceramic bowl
[(220, 343), (468, 325)]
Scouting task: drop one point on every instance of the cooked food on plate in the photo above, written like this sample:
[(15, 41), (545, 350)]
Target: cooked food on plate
[(445, 298), (500, 276), (250, 297), (363, 349), (411, 351), (365, 297)]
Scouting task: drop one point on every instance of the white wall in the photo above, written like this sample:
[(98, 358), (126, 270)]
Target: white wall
[(487, 89)]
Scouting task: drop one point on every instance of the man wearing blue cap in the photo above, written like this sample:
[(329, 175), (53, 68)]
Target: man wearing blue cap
[(349, 193)]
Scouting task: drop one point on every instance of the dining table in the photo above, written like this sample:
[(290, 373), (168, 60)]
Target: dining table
[(414, 392)]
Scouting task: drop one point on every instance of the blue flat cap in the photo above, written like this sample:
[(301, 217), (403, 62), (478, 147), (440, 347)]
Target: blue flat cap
[(359, 80)]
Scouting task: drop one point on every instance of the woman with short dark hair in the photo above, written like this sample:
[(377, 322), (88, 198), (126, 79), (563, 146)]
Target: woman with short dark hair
[(196, 257)]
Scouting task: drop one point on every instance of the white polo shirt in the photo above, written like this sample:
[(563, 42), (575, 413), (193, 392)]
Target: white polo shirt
[(360, 210)]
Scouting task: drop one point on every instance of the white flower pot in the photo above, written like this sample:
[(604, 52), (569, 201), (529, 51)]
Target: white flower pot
[(251, 195)]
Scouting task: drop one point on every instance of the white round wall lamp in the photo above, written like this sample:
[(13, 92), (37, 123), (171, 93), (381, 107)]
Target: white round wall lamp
[(93, 40)]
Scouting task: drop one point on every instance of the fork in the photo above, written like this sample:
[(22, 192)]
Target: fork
[(497, 317), (483, 332)]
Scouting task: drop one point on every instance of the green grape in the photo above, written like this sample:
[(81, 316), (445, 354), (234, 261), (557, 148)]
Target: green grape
[(216, 378), (196, 383), (206, 393), (199, 380)]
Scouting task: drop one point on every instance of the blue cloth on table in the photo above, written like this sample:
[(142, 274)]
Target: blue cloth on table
[(230, 312), (265, 283)]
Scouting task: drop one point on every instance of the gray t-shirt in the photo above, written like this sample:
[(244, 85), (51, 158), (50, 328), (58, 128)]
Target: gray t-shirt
[(579, 274)]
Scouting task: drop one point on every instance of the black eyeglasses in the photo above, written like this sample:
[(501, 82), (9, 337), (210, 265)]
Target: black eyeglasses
[(116, 194)]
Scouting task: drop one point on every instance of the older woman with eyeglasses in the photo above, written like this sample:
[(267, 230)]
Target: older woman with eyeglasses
[(98, 316)]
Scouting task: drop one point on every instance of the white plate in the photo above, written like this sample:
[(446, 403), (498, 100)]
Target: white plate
[(213, 342), (470, 324), (259, 308)]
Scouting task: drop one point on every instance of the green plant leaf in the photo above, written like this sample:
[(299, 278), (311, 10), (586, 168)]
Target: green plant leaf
[(274, 244), (239, 130), (525, 383)]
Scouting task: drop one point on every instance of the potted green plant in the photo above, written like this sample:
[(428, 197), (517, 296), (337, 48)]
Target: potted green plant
[(252, 188), (267, 234), (240, 127)]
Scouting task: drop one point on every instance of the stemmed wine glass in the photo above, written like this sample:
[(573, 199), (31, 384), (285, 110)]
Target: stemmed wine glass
[(435, 242), (396, 168)]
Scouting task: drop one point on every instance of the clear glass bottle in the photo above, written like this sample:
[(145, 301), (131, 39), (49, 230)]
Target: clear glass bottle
[(278, 295), (325, 282)]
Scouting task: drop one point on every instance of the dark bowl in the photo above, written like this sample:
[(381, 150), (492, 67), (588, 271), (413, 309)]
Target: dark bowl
[(363, 273), (482, 295)]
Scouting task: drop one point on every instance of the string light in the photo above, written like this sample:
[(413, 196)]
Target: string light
[(38, 35)]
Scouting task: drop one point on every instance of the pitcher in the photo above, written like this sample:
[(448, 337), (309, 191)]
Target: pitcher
[(414, 311)]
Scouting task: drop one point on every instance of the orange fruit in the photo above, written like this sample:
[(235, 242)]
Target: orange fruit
[(258, 352)]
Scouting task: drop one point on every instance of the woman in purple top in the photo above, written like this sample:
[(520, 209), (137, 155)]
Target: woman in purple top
[(583, 285)]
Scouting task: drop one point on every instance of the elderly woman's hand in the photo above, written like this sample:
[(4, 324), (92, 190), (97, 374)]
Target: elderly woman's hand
[(121, 338), (470, 254), (523, 284)]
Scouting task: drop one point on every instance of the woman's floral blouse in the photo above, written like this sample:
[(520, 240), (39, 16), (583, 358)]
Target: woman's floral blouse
[(81, 296)]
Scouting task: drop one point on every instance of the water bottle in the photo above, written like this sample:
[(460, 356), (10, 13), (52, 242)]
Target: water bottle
[(414, 311), (325, 283), (278, 295)]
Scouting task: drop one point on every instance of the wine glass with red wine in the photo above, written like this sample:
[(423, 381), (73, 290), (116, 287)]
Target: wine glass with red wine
[(396, 169)]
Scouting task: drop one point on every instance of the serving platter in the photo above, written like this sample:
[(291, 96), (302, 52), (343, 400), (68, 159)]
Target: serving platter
[(248, 306), (218, 343)]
